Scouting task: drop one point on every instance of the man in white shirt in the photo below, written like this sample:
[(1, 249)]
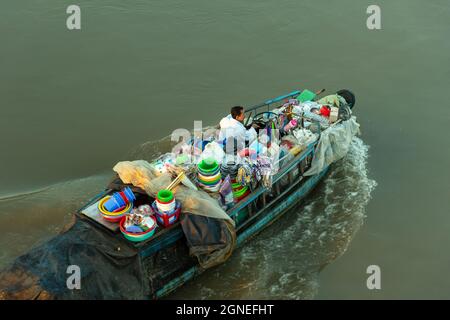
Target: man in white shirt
[(233, 129)]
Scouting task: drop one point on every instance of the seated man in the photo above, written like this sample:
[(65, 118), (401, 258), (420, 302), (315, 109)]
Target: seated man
[(233, 129)]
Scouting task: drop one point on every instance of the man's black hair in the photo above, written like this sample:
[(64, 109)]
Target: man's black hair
[(236, 111)]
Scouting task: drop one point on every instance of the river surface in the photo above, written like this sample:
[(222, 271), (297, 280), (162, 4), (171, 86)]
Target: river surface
[(73, 103)]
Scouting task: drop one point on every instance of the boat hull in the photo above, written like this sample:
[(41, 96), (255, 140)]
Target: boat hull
[(291, 197)]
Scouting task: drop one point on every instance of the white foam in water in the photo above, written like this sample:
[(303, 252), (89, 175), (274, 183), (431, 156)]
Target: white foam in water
[(284, 261)]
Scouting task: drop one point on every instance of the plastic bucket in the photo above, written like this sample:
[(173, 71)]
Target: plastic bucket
[(129, 194), (119, 200), (165, 196), (209, 176), (113, 216), (166, 219), (114, 202), (166, 207)]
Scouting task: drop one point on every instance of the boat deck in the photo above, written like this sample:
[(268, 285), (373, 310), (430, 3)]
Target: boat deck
[(260, 200), (246, 214)]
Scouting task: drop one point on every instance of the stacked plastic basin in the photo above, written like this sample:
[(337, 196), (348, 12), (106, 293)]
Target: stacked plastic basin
[(208, 175), (167, 209), (113, 208), (239, 191)]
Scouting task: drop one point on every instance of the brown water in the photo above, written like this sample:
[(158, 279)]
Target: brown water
[(73, 103)]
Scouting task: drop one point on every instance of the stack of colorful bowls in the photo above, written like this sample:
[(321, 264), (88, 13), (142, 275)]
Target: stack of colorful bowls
[(209, 176), (165, 201), (139, 236), (239, 191), (119, 200), (166, 208), (116, 215)]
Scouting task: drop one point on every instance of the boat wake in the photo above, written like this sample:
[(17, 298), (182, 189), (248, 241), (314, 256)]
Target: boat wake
[(284, 261), (28, 219)]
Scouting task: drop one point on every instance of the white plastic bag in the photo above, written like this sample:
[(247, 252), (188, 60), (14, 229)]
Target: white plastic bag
[(213, 150)]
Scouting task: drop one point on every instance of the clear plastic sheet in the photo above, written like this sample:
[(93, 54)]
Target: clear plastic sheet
[(141, 174), (333, 145)]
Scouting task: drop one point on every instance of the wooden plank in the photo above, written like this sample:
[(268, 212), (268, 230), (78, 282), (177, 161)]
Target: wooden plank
[(93, 213)]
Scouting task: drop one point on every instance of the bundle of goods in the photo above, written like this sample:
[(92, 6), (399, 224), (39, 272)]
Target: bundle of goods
[(182, 159), (315, 122), (245, 173), (145, 210), (264, 171), (160, 165), (182, 177), (209, 176), (290, 125), (137, 227), (226, 193), (166, 208), (114, 208), (334, 114), (255, 149), (213, 151), (230, 169), (304, 137)]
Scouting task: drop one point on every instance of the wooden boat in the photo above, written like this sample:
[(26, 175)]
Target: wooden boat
[(254, 213), (161, 263)]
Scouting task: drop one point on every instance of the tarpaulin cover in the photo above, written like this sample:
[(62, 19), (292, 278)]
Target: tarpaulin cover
[(333, 145), (106, 272)]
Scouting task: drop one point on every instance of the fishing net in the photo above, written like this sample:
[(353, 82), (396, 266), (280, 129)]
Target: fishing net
[(108, 268)]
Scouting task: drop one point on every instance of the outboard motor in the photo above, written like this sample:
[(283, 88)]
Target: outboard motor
[(348, 96), (345, 108)]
